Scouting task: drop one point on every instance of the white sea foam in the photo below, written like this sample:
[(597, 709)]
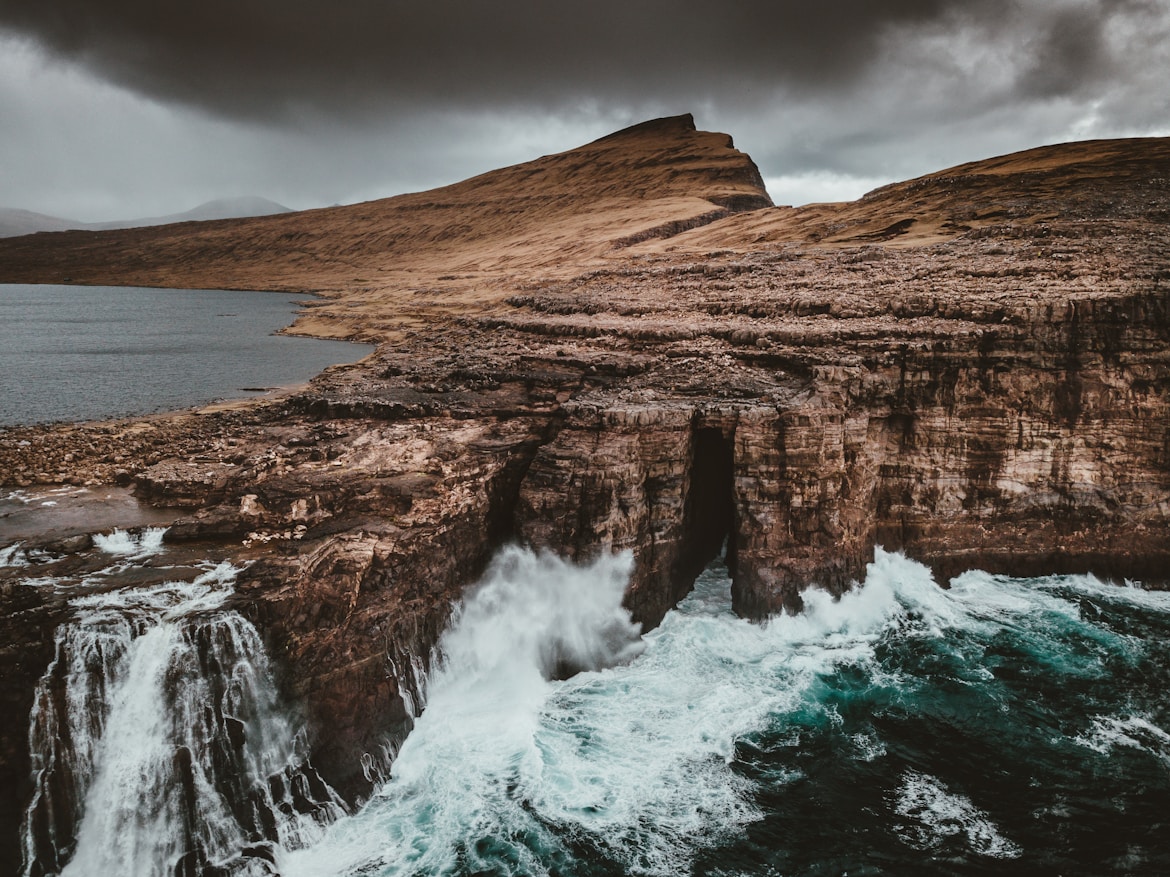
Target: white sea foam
[(1045, 615), (167, 600), (633, 760), (1129, 593), (123, 543), (1006, 596), (939, 814), (1133, 732), (48, 497), (869, 745), (533, 613), (13, 556)]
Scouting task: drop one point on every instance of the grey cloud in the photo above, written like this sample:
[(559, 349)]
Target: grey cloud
[(308, 103), (1070, 52), (282, 59)]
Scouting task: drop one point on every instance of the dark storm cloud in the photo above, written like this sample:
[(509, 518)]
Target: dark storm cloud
[(262, 58), (1070, 52), (117, 108)]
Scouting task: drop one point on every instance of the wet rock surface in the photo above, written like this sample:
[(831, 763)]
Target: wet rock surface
[(27, 625)]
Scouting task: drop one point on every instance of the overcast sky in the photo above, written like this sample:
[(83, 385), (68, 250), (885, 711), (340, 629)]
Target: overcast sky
[(124, 108)]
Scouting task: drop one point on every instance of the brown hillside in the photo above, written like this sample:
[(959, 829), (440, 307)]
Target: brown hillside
[(1095, 179), (658, 189), (442, 247)]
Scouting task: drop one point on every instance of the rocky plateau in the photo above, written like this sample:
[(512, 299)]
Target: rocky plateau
[(626, 346)]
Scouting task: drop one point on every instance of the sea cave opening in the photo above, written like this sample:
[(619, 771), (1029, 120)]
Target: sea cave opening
[(709, 511)]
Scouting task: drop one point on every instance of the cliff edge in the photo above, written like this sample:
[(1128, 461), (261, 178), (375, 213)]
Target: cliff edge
[(625, 346)]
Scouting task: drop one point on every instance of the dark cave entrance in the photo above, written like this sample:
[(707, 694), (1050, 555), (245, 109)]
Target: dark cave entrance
[(709, 513)]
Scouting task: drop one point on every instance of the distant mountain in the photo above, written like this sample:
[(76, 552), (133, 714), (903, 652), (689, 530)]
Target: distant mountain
[(14, 222), (220, 208)]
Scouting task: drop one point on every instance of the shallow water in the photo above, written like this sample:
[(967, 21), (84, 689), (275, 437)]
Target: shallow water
[(48, 512), (91, 352)]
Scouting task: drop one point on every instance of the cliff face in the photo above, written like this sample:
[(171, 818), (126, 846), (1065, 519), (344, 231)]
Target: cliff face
[(988, 393), (973, 368), (1015, 440), (26, 625)]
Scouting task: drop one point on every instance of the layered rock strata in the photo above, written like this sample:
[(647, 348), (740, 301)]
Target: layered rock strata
[(973, 368)]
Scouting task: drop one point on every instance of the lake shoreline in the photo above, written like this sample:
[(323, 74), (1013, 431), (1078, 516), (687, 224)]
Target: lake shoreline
[(146, 351)]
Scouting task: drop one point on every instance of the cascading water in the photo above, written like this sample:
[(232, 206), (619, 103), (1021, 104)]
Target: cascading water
[(123, 543), (158, 743)]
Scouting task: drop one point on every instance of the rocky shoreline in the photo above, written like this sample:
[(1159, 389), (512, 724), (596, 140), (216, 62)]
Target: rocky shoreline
[(973, 368)]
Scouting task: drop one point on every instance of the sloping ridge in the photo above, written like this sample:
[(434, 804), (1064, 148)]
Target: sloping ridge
[(572, 206), (1074, 181), (15, 222)]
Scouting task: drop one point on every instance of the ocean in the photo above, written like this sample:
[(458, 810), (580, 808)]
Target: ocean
[(97, 352), (994, 726)]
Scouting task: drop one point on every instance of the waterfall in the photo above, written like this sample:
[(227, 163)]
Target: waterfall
[(159, 745)]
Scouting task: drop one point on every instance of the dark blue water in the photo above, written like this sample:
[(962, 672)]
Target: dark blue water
[(86, 353)]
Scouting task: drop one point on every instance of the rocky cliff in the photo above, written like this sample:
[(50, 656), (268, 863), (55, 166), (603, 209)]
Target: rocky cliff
[(624, 346)]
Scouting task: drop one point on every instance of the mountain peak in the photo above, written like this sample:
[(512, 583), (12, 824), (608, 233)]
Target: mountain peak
[(649, 181), (666, 126)]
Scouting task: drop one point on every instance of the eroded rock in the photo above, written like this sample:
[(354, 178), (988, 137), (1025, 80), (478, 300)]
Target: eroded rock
[(973, 368)]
